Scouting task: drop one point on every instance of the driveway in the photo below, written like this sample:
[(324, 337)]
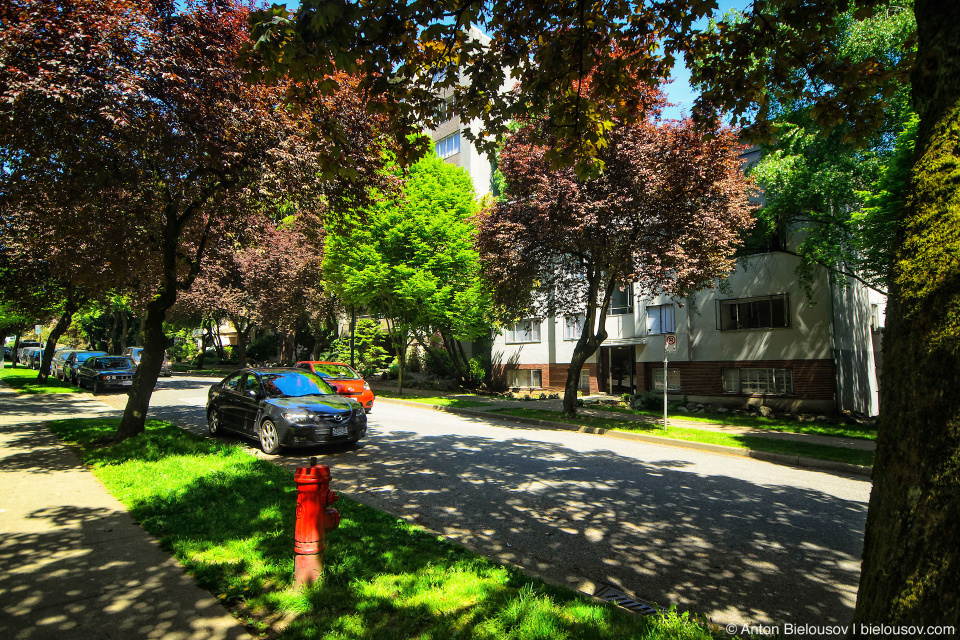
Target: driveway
[(740, 540)]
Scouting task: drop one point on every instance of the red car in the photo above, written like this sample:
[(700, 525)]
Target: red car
[(344, 380)]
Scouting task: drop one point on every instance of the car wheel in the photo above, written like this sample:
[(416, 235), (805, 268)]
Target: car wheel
[(96, 386), (269, 438), (213, 422)]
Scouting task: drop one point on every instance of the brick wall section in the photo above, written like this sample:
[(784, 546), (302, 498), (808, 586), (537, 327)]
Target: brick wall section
[(812, 379), (554, 376), (558, 376)]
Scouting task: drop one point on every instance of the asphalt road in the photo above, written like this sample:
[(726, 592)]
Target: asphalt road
[(739, 540)]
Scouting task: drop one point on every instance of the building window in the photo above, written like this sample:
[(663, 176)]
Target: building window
[(876, 318), (448, 146), (762, 312), (573, 327), (660, 319), (621, 302), (525, 378), (768, 382), (673, 379), (523, 331)]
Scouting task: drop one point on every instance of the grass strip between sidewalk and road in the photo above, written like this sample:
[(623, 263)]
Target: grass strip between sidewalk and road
[(24, 380), (863, 432), (228, 517), (756, 443), (440, 401)]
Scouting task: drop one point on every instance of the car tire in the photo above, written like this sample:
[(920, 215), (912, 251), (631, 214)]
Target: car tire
[(269, 438), (213, 422), (96, 387)]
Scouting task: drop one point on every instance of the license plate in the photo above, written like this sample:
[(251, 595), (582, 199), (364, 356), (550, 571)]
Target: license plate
[(340, 431), (126, 383)]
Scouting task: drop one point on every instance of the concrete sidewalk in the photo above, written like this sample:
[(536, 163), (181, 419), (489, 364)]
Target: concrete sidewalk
[(73, 564)]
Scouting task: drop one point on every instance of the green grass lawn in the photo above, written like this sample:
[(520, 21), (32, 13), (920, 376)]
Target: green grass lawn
[(757, 443), (24, 380), (864, 432), (442, 401), (228, 517)]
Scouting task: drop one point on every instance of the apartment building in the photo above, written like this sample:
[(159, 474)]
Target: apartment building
[(756, 339)]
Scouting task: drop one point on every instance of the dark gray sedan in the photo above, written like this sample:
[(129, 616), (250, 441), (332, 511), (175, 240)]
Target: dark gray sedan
[(283, 408), (102, 373)]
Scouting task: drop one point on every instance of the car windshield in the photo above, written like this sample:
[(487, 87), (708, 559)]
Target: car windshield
[(293, 384), (112, 363), (83, 356), (336, 371)]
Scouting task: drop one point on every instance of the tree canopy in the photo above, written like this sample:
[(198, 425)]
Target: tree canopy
[(134, 119), (412, 262), (665, 215)]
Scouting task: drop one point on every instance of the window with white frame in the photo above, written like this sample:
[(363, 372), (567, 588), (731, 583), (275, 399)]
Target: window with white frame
[(448, 146), (761, 312), (573, 327), (758, 381), (525, 378), (673, 379), (660, 319), (523, 331), (876, 317), (621, 302)]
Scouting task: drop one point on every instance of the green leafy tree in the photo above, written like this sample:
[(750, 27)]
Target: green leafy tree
[(813, 178), (412, 262), (876, 221)]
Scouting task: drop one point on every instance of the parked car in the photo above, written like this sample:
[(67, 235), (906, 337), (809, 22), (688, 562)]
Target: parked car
[(101, 373), (31, 357), (73, 362), (283, 407), (59, 362), (22, 349), (136, 353), (344, 379)]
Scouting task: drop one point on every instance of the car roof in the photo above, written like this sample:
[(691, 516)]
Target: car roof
[(342, 364)]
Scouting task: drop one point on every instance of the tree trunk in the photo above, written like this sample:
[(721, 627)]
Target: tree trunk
[(911, 560), (217, 339), (243, 337), (124, 331), (204, 330), (145, 379), (62, 325), (112, 340)]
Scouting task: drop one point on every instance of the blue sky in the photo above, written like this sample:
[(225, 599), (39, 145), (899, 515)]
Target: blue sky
[(679, 91)]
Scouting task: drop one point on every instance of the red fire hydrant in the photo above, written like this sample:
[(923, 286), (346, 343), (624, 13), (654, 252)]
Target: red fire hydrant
[(314, 519)]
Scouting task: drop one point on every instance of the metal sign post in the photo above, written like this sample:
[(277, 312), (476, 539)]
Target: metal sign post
[(669, 344)]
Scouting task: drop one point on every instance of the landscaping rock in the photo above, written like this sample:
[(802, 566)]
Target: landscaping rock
[(722, 410), (766, 412)]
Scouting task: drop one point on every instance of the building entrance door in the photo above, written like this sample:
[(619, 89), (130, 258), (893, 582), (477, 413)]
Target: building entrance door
[(621, 373)]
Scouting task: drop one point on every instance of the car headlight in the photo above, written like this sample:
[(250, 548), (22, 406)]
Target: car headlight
[(366, 386), (297, 417)]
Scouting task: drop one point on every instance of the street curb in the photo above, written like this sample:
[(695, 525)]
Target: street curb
[(766, 456)]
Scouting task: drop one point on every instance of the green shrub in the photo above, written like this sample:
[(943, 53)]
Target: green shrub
[(263, 348)]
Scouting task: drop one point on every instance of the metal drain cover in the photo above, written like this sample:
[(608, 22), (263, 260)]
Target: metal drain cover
[(627, 602)]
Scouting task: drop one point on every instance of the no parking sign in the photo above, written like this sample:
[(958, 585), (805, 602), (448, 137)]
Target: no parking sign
[(670, 343)]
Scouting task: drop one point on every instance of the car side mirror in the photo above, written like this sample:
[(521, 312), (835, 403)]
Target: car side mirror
[(252, 393)]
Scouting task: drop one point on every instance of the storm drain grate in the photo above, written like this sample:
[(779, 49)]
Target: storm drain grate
[(627, 602)]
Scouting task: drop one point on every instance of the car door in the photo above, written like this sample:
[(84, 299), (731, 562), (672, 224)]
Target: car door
[(250, 397), (229, 402)]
